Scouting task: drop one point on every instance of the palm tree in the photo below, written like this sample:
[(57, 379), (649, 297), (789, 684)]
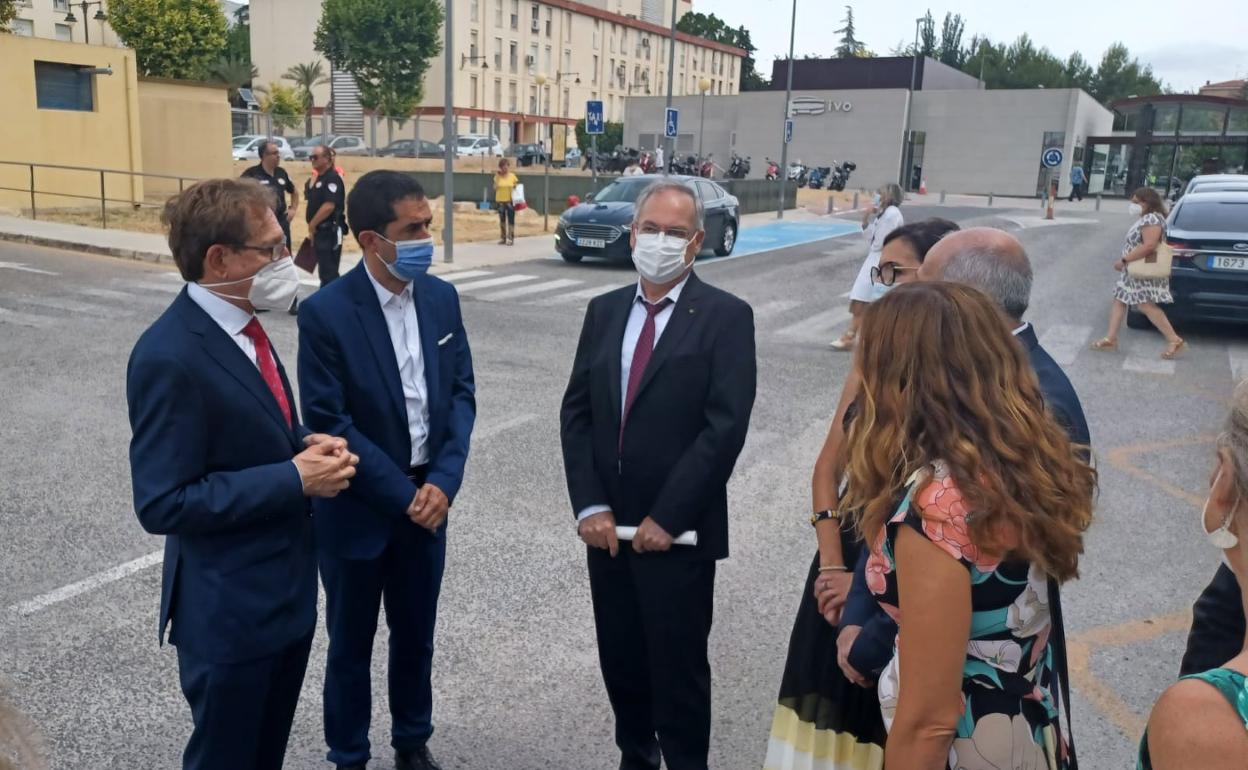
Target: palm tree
[(235, 73), (306, 77)]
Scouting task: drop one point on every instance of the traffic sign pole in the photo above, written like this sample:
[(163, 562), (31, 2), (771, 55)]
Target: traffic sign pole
[(1051, 159), (595, 124)]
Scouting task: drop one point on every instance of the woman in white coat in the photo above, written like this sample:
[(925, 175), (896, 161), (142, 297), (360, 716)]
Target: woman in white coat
[(882, 218)]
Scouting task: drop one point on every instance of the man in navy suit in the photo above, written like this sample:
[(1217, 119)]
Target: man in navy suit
[(996, 263), (221, 466), (384, 362)]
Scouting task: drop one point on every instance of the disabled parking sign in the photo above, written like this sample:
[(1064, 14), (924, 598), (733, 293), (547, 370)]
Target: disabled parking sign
[(671, 122)]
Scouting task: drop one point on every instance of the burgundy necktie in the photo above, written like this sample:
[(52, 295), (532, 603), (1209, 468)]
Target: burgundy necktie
[(641, 357), (268, 365)]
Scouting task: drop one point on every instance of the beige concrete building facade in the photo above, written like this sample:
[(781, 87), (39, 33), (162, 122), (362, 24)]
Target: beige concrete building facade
[(47, 19), (598, 50)]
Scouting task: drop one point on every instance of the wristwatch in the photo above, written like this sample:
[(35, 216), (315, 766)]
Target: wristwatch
[(819, 516)]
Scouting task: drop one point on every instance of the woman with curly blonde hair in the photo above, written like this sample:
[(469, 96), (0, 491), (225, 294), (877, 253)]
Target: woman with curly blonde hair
[(994, 503)]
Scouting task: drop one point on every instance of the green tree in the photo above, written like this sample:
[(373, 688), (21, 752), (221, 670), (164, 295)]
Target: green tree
[(1079, 73), (850, 46), (283, 104), (927, 35), (306, 77), (235, 73), (711, 27), (1119, 75), (170, 39), (238, 37), (386, 45), (612, 137), (950, 51), (8, 12)]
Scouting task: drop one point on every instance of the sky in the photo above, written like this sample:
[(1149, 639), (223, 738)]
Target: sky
[(1203, 41)]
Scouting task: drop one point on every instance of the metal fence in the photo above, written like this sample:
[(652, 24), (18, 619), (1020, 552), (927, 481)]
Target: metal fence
[(35, 187)]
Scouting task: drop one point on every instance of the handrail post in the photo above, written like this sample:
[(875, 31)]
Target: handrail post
[(33, 214), (103, 205)]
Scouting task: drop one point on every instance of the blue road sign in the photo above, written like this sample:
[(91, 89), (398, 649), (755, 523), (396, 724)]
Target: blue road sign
[(671, 122), (593, 117), (1052, 158), (788, 131)]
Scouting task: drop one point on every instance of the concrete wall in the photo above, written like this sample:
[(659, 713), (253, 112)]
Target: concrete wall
[(186, 129), (937, 76), (106, 137)]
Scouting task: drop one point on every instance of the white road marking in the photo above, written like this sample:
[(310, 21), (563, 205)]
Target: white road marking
[(574, 296), (773, 308), (489, 283), (463, 275), (107, 294), (43, 601), (1029, 222), (24, 319), (1237, 353), (1148, 362), (490, 431), (536, 288), (1065, 342), (73, 306), (22, 267), (818, 327)]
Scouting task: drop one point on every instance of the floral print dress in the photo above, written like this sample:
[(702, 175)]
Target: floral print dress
[(1136, 291), (1009, 718)]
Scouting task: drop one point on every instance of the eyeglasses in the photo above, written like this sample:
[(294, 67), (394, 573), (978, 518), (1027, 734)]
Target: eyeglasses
[(275, 252), (672, 232), (886, 274), (272, 152)]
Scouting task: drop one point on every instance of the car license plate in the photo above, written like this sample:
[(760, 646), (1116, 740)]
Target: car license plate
[(591, 243), (1228, 263)]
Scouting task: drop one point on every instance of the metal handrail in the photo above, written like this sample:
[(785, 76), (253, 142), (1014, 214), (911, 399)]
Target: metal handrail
[(103, 198)]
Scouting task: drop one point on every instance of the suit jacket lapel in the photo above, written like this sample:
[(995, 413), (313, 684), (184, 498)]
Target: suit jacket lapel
[(378, 335), (683, 316), (614, 338), (423, 303)]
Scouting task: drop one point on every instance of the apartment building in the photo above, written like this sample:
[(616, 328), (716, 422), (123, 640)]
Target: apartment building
[(522, 66), (51, 19)]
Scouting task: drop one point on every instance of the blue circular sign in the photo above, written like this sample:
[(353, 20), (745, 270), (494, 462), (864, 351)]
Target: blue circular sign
[(1051, 158)]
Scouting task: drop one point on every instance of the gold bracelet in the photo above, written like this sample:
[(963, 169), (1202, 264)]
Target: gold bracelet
[(834, 568)]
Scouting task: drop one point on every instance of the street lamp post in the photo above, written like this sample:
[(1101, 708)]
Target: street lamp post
[(100, 16), (541, 79), (485, 68), (788, 99), (671, 71), (704, 85), (905, 139)]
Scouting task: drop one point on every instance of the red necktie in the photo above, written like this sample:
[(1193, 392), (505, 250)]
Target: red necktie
[(268, 365), (641, 357)]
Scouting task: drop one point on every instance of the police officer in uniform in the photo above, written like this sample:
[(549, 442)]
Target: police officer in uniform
[(326, 213), (269, 173)]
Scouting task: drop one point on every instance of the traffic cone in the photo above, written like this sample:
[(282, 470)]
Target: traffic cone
[(922, 187)]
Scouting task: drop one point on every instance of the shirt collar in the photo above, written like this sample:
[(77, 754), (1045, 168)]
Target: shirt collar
[(384, 295), (673, 293), (228, 316), (1021, 329)]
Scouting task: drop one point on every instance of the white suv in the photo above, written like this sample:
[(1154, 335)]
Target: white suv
[(247, 147), (470, 145)]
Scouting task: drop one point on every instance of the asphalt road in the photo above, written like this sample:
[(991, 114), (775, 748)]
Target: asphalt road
[(516, 671)]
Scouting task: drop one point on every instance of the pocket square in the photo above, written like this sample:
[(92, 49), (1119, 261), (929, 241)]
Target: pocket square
[(445, 339)]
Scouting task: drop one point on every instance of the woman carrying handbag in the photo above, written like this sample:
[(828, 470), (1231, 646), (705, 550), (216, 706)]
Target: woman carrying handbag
[(1144, 279)]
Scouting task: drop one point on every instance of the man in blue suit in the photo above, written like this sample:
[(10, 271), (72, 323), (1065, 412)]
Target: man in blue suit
[(221, 466), (384, 362)]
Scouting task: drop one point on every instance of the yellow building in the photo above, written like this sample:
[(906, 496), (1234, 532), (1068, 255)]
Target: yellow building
[(602, 50)]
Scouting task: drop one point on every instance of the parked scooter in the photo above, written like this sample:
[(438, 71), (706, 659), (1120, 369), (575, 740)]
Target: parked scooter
[(840, 175), (739, 168), (773, 170), (798, 173), (818, 176)]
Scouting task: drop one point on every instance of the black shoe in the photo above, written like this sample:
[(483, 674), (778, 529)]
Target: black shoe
[(416, 759), (294, 310), (361, 766)]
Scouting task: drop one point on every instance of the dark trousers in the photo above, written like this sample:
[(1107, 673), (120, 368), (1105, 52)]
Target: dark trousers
[(242, 711), (1217, 633), (328, 254), (653, 618), (506, 214), (1076, 191), (407, 576)]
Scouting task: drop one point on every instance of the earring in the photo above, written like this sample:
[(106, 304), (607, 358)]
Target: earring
[(1223, 537)]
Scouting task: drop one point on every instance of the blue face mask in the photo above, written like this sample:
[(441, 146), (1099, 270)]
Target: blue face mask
[(411, 258), (878, 290)]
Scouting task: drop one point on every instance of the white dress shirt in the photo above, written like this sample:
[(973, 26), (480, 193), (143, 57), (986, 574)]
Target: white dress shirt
[(400, 314), (632, 332), (231, 318), (1021, 329)]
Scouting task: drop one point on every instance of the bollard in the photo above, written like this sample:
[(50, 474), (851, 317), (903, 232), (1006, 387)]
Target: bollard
[(1098, 202), (989, 200), (855, 201), (942, 197), (831, 204)]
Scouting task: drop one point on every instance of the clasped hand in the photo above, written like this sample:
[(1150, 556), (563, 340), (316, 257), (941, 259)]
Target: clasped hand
[(326, 466), (598, 531), (429, 507)]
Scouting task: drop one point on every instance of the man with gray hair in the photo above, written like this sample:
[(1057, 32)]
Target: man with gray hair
[(656, 412)]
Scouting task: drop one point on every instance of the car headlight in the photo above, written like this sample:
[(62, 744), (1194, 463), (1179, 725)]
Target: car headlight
[(564, 219)]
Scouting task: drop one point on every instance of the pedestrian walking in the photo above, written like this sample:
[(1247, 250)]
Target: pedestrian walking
[(963, 549), (326, 214), (878, 221), (1077, 180), (655, 414), (1200, 721), (270, 173), (659, 161), (222, 467), (819, 705), (384, 356), (504, 185), (1146, 233)]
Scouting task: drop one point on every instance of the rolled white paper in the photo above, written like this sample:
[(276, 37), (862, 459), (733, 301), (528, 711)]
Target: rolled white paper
[(685, 538)]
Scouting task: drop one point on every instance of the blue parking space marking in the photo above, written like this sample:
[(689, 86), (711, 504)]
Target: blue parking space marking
[(780, 235)]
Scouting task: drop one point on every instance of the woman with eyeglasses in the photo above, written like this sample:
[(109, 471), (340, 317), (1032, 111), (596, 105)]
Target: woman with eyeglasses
[(826, 718), (880, 219)]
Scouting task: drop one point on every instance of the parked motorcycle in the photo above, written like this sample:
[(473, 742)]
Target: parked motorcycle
[(818, 177), (840, 175), (706, 169), (798, 173), (773, 170), (739, 168)]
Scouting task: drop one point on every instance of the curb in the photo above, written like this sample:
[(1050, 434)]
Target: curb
[(88, 248)]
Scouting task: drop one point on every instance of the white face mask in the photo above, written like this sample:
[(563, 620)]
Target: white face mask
[(1135, 210), (659, 257), (273, 287), (1222, 537), (875, 200)]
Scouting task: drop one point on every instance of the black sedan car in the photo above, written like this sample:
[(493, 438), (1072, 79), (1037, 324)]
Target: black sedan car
[(599, 227), (1209, 279), (527, 154), (406, 148)]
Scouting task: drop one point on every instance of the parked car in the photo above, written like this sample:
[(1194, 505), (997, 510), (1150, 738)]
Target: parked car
[(1209, 279), (572, 159), (470, 145), (527, 154), (406, 148), (343, 145), (1217, 183), (599, 227), (247, 147)]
